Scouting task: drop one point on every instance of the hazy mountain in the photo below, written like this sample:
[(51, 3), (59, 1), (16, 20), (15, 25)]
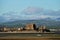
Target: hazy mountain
[(22, 23)]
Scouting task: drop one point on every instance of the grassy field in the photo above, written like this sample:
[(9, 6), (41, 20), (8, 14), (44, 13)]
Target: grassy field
[(28, 36)]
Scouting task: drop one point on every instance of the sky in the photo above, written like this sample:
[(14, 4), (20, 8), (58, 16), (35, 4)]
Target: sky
[(19, 5), (29, 9)]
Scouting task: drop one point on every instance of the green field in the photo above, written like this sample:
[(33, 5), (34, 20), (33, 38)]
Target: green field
[(28, 35)]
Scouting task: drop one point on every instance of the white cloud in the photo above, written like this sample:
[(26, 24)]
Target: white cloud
[(30, 13)]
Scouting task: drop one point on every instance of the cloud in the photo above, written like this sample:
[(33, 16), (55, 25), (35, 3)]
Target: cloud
[(40, 11), (29, 13), (11, 16), (2, 19), (32, 10), (52, 12)]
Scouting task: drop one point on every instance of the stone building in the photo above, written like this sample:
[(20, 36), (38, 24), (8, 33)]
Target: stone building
[(43, 29), (30, 27), (6, 29)]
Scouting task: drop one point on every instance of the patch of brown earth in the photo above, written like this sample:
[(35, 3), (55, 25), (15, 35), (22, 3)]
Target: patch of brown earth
[(29, 38)]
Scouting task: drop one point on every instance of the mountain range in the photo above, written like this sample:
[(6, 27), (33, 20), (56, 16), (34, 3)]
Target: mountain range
[(48, 22)]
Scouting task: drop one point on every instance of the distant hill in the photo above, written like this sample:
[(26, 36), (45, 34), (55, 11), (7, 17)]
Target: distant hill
[(22, 23)]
